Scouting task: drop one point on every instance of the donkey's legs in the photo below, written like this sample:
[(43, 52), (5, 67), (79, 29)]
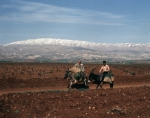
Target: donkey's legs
[(98, 84), (71, 81), (111, 84), (84, 78), (70, 85), (85, 83)]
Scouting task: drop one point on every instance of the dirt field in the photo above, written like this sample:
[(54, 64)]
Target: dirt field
[(38, 90)]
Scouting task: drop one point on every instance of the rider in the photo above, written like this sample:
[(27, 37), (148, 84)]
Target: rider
[(104, 70), (81, 67)]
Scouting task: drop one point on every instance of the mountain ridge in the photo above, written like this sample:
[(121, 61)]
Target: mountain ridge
[(74, 43), (49, 49)]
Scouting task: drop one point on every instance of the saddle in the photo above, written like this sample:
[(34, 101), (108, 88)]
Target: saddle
[(78, 74), (74, 70), (109, 75)]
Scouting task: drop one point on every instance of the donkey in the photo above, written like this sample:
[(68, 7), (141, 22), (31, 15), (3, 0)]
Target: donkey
[(75, 78), (97, 78)]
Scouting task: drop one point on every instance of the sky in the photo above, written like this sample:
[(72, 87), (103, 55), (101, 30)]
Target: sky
[(100, 21)]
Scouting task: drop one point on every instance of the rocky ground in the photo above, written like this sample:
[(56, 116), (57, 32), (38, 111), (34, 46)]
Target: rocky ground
[(38, 90)]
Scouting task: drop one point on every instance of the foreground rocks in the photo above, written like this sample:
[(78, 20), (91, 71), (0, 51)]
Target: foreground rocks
[(117, 103)]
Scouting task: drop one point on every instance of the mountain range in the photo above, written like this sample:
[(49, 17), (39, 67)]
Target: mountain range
[(63, 50)]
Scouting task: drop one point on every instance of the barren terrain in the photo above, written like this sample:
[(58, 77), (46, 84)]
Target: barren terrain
[(38, 90)]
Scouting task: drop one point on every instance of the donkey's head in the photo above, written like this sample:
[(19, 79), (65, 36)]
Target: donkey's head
[(66, 74)]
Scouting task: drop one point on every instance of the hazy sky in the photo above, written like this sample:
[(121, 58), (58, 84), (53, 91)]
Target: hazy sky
[(101, 21)]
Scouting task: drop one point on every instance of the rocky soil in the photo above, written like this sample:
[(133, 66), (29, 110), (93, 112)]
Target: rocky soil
[(38, 90)]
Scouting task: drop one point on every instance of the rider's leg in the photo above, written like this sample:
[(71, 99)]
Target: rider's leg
[(103, 76), (70, 84), (99, 79), (82, 76)]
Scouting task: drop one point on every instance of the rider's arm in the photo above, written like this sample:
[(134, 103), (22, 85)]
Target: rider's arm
[(76, 65), (82, 67), (100, 71)]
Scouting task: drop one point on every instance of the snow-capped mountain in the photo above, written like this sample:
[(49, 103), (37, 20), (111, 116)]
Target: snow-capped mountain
[(48, 49), (75, 43)]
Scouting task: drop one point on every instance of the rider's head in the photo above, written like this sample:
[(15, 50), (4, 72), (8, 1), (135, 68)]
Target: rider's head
[(79, 62), (104, 62)]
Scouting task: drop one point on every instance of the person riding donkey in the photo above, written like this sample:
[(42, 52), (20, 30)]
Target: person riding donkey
[(78, 71), (104, 70), (81, 67)]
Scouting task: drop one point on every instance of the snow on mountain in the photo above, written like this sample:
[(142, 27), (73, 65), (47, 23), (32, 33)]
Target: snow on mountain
[(58, 49), (50, 41), (66, 42), (85, 44)]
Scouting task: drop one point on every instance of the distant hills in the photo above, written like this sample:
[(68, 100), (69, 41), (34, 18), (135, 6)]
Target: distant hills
[(62, 50)]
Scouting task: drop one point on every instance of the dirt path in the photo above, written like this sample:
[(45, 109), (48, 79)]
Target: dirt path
[(92, 86)]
